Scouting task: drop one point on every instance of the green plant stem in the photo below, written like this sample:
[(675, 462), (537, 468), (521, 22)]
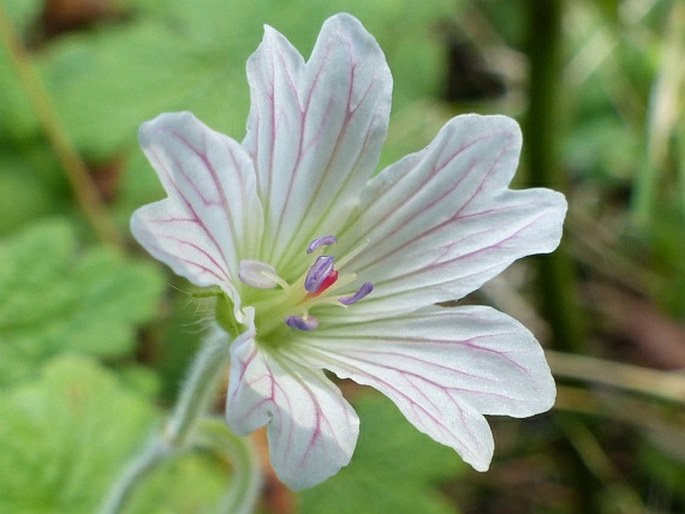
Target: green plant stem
[(199, 389), (137, 469), (241, 498), (556, 275), (84, 189), (177, 434)]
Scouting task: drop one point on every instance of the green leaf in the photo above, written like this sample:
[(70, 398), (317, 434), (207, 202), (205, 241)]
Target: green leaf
[(56, 298), (395, 469), (108, 81), (64, 438), (191, 484), (32, 183)]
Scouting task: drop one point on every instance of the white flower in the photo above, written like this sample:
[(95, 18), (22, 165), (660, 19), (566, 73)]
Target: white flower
[(325, 268)]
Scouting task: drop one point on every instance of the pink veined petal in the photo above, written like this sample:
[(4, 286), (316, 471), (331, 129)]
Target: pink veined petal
[(171, 236), (212, 217), (315, 130), (312, 430), (444, 369), (442, 222)]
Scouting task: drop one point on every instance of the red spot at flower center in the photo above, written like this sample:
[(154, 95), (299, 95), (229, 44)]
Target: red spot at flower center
[(327, 282)]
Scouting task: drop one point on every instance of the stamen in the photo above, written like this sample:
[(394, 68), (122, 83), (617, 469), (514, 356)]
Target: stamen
[(317, 274), (323, 276), (363, 291), (321, 241), (259, 275), (302, 323)]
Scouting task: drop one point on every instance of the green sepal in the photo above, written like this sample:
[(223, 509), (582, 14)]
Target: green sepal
[(225, 317)]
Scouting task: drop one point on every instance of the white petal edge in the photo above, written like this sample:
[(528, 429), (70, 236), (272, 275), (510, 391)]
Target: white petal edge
[(312, 430), (442, 222), (212, 217), (174, 238), (315, 131), (444, 369)]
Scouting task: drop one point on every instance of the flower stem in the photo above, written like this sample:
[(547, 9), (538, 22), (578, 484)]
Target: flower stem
[(138, 468), (557, 281), (176, 436), (198, 391), (84, 189), (244, 492)]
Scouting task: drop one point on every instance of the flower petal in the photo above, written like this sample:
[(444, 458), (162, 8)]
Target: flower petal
[(315, 130), (212, 217), (312, 430), (170, 235), (442, 222), (444, 369)]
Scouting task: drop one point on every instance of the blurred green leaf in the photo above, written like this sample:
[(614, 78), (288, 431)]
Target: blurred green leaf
[(190, 484), (33, 185), (63, 438), (167, 56), (395, 469), (55, 298), (603, 148)]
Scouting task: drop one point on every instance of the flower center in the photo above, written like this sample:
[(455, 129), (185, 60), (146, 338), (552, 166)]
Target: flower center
[(279, 303)]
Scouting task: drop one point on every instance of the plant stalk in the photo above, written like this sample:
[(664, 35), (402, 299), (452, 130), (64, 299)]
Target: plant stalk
[(85, 191), (177, 434), (556, 275)]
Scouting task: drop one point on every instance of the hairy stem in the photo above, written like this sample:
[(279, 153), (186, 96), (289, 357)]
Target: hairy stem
[(242, 496), (177, 434)]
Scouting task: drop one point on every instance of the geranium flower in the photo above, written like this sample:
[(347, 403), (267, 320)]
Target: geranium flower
[(323, 267)]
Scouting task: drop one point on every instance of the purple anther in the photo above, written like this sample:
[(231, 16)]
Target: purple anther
[(364, 290), (322, 267), (300, 323), (321, 241)]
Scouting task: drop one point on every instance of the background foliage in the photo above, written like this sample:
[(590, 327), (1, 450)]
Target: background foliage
[(95, 337)]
